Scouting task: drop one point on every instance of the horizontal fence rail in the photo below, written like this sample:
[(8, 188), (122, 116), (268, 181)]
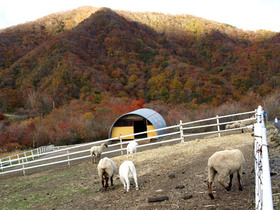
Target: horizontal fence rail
[(176, 133), (26, 156), (51, 155)]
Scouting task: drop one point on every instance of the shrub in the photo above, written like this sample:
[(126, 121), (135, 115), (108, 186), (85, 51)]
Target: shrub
[(2, 116), (9, 147)]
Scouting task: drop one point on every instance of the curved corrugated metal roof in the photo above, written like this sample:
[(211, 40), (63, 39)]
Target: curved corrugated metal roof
[(154, 117)]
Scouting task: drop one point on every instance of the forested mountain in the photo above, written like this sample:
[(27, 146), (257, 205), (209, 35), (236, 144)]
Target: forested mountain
[(71, 74), (93, 53)]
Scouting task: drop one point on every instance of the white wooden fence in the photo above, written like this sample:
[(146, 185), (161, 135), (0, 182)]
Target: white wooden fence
[(263, 192), (26, 156), (176, 133)]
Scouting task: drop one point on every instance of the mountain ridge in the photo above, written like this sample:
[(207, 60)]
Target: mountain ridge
[(175, 59)]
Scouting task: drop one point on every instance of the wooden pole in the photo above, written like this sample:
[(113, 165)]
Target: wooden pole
[(121, 144), (218, 126)]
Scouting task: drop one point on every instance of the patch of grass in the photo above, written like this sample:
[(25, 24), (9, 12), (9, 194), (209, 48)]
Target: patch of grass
[(48, 189), (67, 193), (54, 196), (6, 154)]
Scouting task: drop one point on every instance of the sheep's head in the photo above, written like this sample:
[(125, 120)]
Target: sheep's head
[(104, 145)]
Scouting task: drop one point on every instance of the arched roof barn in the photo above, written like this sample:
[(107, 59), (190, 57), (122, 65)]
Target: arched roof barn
[(138, 121)]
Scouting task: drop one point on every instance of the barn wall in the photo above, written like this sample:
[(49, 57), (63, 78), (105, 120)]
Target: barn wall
[(116, 131), (149, 128)]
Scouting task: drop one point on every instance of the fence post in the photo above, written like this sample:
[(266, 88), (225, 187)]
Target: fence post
[(218, 125), (32, 154), (10, 160), (181, 132), (68, 155), (23, 170), (121, 144), (267, 196), (26, 160), (18, 159), (257, 147), (263, 191)]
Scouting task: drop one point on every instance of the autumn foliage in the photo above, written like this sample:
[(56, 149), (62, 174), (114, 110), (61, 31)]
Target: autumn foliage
[(150, 56), (74, 73)]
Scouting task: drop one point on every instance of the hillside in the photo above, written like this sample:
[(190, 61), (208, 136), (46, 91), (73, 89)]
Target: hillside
[(66, 77), (94, 53)]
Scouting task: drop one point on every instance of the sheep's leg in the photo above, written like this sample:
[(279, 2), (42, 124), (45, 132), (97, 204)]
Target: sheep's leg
[(123, 181), (102, 182), (98, 157), (230, 182), (221, 181), (135, 181), (210, 190), (239, 183), (127, 183), (211, 175), (106, 179), (112, 183), (94, 158)]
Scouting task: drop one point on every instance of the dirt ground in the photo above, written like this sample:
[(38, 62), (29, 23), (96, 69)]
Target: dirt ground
[(178, 172)]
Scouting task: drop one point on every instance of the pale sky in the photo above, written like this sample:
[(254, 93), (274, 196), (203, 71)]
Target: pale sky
[(244, 14)]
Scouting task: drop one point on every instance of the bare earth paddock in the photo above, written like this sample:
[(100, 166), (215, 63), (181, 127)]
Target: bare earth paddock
[(177, 171)]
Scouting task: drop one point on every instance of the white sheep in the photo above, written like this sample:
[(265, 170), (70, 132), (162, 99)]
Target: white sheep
[(106, 169), (248, 125), (234, 125), (127, 171), (248, 128), (131, 148), (224, 163), (95, 152)]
